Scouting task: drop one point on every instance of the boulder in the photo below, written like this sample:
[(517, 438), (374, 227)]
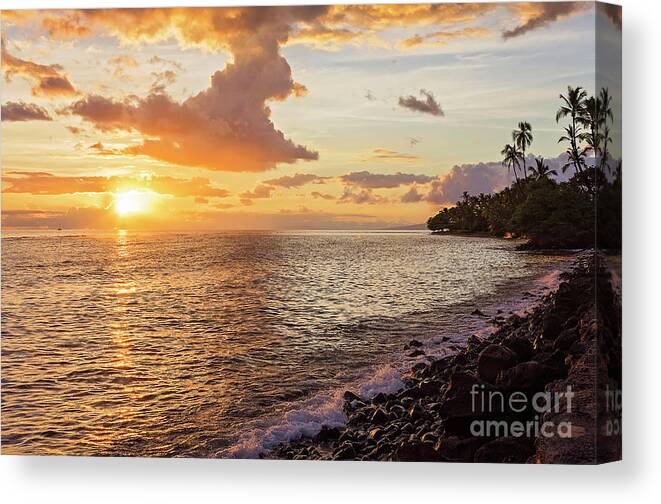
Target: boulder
[(493, 360), (416, 451), (505, 450), (379, 417), (328, 433), (526, 376), (455, 449), (566, 339), (521, 346), (345, 452)]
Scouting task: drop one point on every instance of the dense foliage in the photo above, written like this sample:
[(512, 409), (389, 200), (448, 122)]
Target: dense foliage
[(549, 213)]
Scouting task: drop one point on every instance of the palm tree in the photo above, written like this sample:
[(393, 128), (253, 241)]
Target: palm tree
[(541, 170), (523, 138), (592, 119), (606, 114), (511, 159), (573, 105)]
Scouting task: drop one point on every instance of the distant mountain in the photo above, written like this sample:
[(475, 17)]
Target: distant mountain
[(410, 227)]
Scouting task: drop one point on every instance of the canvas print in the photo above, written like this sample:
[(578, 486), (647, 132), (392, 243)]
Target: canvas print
[(343, 232)]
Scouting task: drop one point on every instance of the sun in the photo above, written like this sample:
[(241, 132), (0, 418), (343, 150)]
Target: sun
[(132, 202)]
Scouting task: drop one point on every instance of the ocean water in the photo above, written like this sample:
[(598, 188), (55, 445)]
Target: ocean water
[(225, 344)]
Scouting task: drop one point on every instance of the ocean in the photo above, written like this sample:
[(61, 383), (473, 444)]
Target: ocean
[(225, 344)]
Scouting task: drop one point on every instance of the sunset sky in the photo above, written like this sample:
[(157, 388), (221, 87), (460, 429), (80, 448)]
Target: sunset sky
[(289, 117)]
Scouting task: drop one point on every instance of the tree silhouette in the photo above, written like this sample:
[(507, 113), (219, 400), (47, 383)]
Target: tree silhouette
[(573, 105), (523, 138)]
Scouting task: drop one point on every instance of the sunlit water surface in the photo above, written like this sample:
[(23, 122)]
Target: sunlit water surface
[(223, 344)]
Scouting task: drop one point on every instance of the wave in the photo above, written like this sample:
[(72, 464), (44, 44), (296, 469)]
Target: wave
[(307, 417)]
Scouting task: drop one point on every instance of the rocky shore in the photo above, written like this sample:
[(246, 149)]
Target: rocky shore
[(536, 391)]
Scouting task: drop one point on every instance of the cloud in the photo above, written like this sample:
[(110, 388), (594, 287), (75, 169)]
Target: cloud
[(73, 218), (218, 28), (221, 128), (226, 127), (412, 196), (369, 180), (361, 197), (473, 178), (540, 14), (43, 183), (612, 12), (162, 80), (426, 105), (21, 111), (260, 191), (324, 196), (441, 38), (297, 180), (391, 155), (47, 80), (120, 64), (479, 178), (157, 60)]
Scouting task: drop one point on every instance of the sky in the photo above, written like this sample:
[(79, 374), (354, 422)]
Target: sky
[(319, 117)]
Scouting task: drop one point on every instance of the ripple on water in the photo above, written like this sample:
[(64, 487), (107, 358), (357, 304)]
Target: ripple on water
[(166, 344)]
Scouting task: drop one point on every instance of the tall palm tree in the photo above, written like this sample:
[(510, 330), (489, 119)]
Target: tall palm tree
[(541, 171), (523, 138), (511, 159), (606, 115), (573, 104), (592, 120)]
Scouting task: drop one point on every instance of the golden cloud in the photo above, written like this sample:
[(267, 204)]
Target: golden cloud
[(48, 80), (42, 183)]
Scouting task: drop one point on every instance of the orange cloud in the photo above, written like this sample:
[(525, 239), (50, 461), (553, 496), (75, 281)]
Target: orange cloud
[(21, 111), (441, 38), (391, 155), (48, 80), (319, 195), (42, 183), (226, 127), (539, 14)]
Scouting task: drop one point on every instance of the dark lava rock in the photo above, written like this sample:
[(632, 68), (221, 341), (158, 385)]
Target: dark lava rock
[(380, 398), (494, 359), (526, 376), (379, 417), (345, 452), (505, 450), (521, 346), (350, 397), (415, 343), (566, 339), (328, 433), (420, 366), (477, 311), (416, 353), (551, 326), (416, 451), (455, 449)]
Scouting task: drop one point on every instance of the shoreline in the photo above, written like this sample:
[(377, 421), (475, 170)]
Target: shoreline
[(553, 346), (446, 334)]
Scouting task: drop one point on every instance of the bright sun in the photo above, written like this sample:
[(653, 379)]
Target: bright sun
[(132, 202)]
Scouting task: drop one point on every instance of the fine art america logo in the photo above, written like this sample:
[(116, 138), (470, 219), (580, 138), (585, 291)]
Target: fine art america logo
[(524, 413)]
